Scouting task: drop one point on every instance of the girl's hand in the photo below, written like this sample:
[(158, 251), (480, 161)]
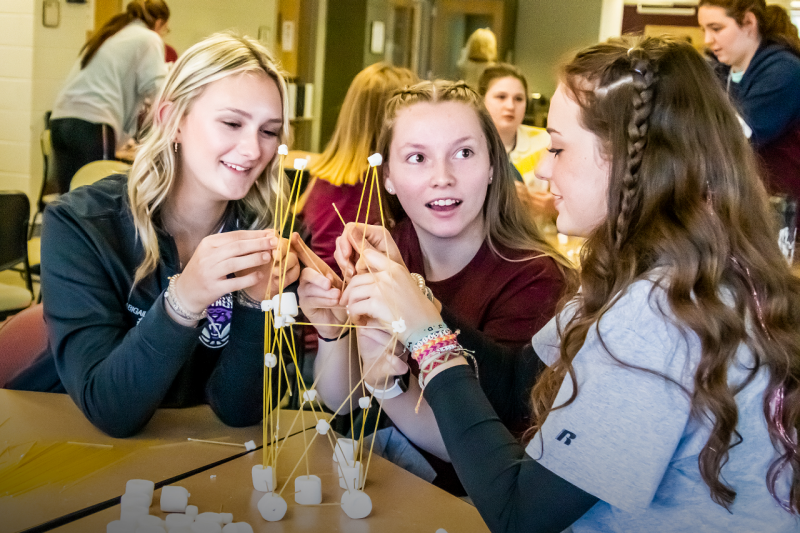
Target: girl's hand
[(269, 284), (381, 357), (205, 278), (388, 294), (354, 237), (319, 301)]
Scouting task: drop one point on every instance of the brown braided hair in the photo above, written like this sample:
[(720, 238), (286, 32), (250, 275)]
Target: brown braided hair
[(686, 205)]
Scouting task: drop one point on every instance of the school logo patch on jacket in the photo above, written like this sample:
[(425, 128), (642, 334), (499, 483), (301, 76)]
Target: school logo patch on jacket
[(217, 330)]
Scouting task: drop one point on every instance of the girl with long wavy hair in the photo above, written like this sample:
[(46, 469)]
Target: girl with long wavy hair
[(670, 400), (119, 67), (456, 222), (153, 281), (758, 50)]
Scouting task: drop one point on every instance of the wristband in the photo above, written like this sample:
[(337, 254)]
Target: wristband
[(171, 296), (426, 333), (342, 336), (400, 386)]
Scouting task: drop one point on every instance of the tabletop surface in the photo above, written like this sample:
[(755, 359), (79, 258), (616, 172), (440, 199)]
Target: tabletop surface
[(401, 502), (51, 430)]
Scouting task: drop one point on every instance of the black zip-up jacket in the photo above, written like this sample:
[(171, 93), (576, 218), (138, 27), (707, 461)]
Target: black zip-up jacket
[(113, 347)]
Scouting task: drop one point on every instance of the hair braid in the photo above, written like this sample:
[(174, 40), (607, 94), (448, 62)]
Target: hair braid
[(644, 78)]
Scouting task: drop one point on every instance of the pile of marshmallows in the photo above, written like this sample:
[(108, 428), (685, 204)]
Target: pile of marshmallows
[(135, 514)]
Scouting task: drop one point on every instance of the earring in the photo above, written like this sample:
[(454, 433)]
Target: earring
[(490, 180), (175, 147), (389, 190)]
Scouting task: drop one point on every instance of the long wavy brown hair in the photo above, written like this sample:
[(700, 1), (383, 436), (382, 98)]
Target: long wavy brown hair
[(684, 196)]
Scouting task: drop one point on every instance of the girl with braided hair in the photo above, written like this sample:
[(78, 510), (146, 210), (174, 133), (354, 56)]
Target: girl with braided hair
[(759, 53), (670, 397), (119, 67)]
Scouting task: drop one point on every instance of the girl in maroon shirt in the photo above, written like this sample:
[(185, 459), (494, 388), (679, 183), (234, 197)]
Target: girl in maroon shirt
[(457, 221)]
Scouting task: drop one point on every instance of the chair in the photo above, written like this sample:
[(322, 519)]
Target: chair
[(23, 339), (44, 198), (16, 209), (96, 170)]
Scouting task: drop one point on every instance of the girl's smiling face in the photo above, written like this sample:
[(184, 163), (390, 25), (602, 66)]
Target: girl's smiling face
[(439, 168), (229, 135), (576, 169)]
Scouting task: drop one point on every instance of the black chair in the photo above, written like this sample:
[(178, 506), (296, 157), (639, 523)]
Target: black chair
[(16, 209), (48, 190)]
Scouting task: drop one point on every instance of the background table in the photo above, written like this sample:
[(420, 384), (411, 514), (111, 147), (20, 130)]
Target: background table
[(401, 502), (160, 452)]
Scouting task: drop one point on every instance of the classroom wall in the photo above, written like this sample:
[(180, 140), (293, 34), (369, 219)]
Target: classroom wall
[(547, 31), (193, 20)]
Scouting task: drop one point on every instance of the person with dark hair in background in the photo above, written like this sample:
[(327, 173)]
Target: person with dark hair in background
[(120, 66), (759, 51)]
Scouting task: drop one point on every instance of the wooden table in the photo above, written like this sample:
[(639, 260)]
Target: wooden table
[(160, 452), (401, 502)]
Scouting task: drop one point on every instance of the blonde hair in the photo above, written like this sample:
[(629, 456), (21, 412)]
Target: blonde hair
[(355, 138), (154, 170), (482, 46), (506, 222)]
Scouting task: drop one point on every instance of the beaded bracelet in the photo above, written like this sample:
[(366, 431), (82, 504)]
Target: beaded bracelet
[(425, 334), (171, 296)]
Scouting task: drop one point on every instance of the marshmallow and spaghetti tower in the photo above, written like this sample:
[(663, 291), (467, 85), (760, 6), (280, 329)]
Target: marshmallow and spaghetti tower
[(281, 311)]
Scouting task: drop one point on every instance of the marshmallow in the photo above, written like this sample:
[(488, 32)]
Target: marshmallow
[(351, 477), (441, 530), (250, 445), (227, 518), (140, 485), (206, 527), (238, 527), (149, 521), (209, 517), (283, 150), (356, 504), (375, 160), (135, 498), (399, 326), (307, 490), (272, 507), (344, 451), (323, 426), (266, 305), (270, 360), (191, 510), (286, 304), (118, 526), (364, 401), (174, 499), (300, 163), (182, 529), (150, 529), (131, 513), (178, 520), (264, 478), (310, 395)]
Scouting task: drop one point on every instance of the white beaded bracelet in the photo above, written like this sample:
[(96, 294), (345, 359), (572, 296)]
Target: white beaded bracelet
[(172, 299), (386, 394)]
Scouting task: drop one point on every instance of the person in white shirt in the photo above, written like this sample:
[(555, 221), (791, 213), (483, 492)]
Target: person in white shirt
[(119, 67)]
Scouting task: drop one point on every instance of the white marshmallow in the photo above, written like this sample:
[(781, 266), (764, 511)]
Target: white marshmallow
[(149, 520), (300, 163), (323, 426), (140, 485), (150, 529), (264, 478), (131, 513), (310, 395), (344, 451), (283, 150), (356, 504), (227, 518), (270, 360), (191, 510), (351, 477), (118, 526), (178, 520), (238, 527), (364, 401), (399, 326), (135, 498), (174, 499), (308, 490), (182, 529), (441, 530), (266, 305), (272, 507), (286, 304), (250, 445), (209, 517), (206, 527), (375, 160)]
